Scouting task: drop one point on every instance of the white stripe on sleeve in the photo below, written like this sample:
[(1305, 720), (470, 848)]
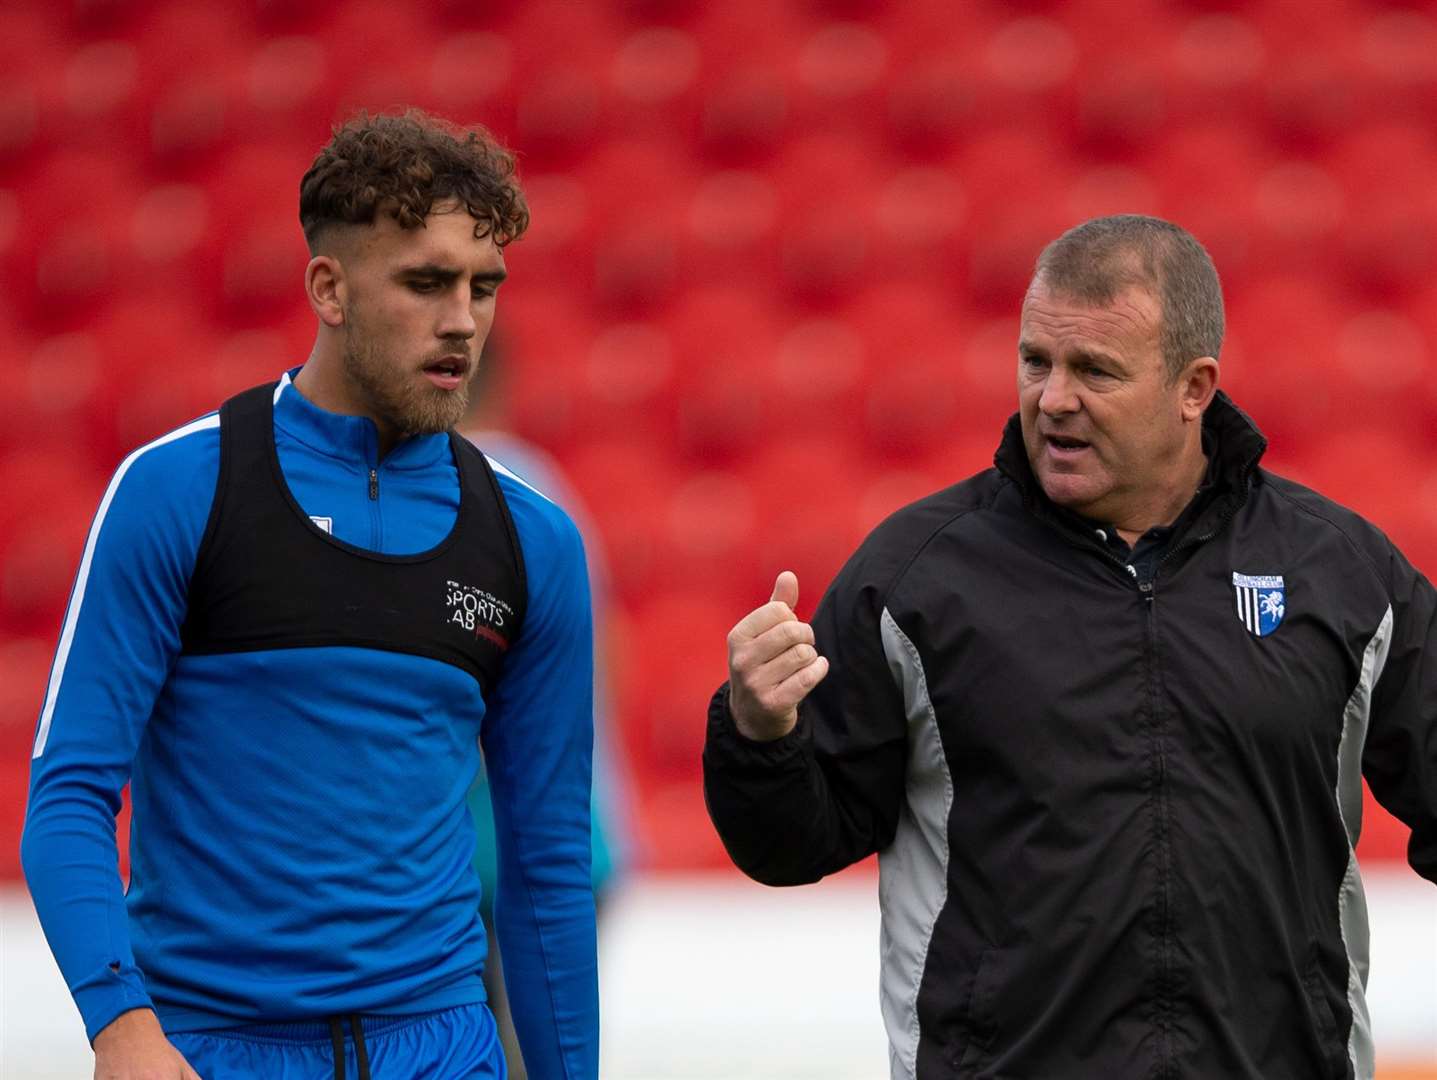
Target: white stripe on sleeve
[(77, 597)]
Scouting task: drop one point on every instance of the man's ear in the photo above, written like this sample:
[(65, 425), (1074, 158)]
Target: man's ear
[(1199, 384), (325, 286)]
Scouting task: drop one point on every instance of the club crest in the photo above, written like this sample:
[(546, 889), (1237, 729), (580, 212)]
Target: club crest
[(1261, 602)]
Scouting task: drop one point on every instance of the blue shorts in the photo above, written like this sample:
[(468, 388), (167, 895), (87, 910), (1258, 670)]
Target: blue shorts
[(454, 1044)]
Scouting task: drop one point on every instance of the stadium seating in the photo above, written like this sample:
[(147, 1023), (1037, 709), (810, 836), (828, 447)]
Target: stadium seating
[(771, 287)]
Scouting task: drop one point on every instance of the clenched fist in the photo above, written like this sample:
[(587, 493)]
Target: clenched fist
[(772, 665)]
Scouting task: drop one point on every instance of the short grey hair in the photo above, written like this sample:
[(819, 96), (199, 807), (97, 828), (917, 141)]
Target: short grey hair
[(1095, 261)]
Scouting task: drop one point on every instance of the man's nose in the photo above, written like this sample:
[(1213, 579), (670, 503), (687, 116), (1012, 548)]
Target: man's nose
[(1059, 395), (456, 318)]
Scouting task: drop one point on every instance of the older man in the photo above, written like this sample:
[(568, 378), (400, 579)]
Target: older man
[(1104, 711)]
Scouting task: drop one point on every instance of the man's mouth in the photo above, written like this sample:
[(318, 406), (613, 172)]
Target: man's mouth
[(1065, 445), (447, 372)]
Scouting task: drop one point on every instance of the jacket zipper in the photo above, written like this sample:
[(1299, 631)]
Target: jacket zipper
[(376, 521), (1163, 898), (1162, 826), (1165, 989), (1148, 591)]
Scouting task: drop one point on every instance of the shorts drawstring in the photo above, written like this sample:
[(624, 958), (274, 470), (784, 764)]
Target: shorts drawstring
[(336, 1034), (361, 1052)]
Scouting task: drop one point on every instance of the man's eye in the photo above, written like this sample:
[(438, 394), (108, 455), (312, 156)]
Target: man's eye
[(1033, 361), (424, 286)]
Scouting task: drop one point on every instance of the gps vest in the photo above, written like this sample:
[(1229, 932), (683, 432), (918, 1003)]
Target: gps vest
[(268, 577)]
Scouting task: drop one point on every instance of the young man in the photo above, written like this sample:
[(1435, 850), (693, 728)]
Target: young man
[(294, 621), (1104, 711)]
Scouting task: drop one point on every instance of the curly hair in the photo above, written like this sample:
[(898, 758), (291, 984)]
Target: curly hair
[(401, 165)]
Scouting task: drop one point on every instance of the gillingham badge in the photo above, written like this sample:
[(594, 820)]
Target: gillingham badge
[(1261, 602)]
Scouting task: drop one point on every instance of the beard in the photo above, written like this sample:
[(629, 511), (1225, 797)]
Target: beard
[(398, 397)]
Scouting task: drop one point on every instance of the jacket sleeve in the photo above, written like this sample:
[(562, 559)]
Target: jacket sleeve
[(538, 749), (117, 643), (829, 792), (1399, 758)]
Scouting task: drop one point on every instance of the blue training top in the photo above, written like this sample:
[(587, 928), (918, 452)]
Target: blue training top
[(300, 841)]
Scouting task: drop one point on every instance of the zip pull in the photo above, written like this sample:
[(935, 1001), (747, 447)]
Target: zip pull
[(374, 483), (1146, 588)]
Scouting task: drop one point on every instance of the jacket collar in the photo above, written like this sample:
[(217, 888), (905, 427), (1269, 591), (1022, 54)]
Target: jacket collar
[(353, 439), (1237, 444)]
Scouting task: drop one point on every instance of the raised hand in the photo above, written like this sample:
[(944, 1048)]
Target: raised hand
[(772, 664)]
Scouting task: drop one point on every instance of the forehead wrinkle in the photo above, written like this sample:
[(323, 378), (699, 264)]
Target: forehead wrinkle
[(1127, 317)]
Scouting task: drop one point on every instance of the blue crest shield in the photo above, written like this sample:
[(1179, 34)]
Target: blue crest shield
[(1261, 602)]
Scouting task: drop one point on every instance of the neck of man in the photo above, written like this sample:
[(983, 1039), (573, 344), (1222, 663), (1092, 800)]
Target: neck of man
[(1167, 505), (323, 383)]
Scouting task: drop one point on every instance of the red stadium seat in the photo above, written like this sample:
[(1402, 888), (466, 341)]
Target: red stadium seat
[(932, 105), (472, 75), (895, 489), (806, 490), (560, 227), (826, 242), (1390, 246), (1311, 98), (626, 487), (838, 71), (1383, 159), (62, 260), (1029, 63), (724, 339), (1219, 63), (101, 87), (744, 114), (914, 380), (32, 52), (653, 81), (628, 382), (1376, 470), (1281, 330), (54, 394), (1110, 189), (286, 83), (38, 559), (24, 673), (1120, 107), (679, 632), (730, 224), (1398, 53), (557, 115), (14, 786), (711, 525), (1298, 209), (815, 377), (1207, 176), (628, 179)]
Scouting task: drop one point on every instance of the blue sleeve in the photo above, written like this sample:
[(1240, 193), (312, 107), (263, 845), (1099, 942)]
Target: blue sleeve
[(117, 645), (538, 749)]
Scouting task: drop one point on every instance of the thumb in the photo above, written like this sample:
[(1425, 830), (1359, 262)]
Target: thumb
[(785, 589)]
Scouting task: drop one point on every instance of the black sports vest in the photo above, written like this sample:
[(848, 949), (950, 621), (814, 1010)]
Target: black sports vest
[(267, 577)]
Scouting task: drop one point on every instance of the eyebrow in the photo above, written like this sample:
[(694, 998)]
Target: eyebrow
[(1027, 348), (449, 273)]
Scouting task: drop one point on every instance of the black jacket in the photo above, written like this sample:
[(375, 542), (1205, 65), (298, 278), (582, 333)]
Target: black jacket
[(1115, 824)]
